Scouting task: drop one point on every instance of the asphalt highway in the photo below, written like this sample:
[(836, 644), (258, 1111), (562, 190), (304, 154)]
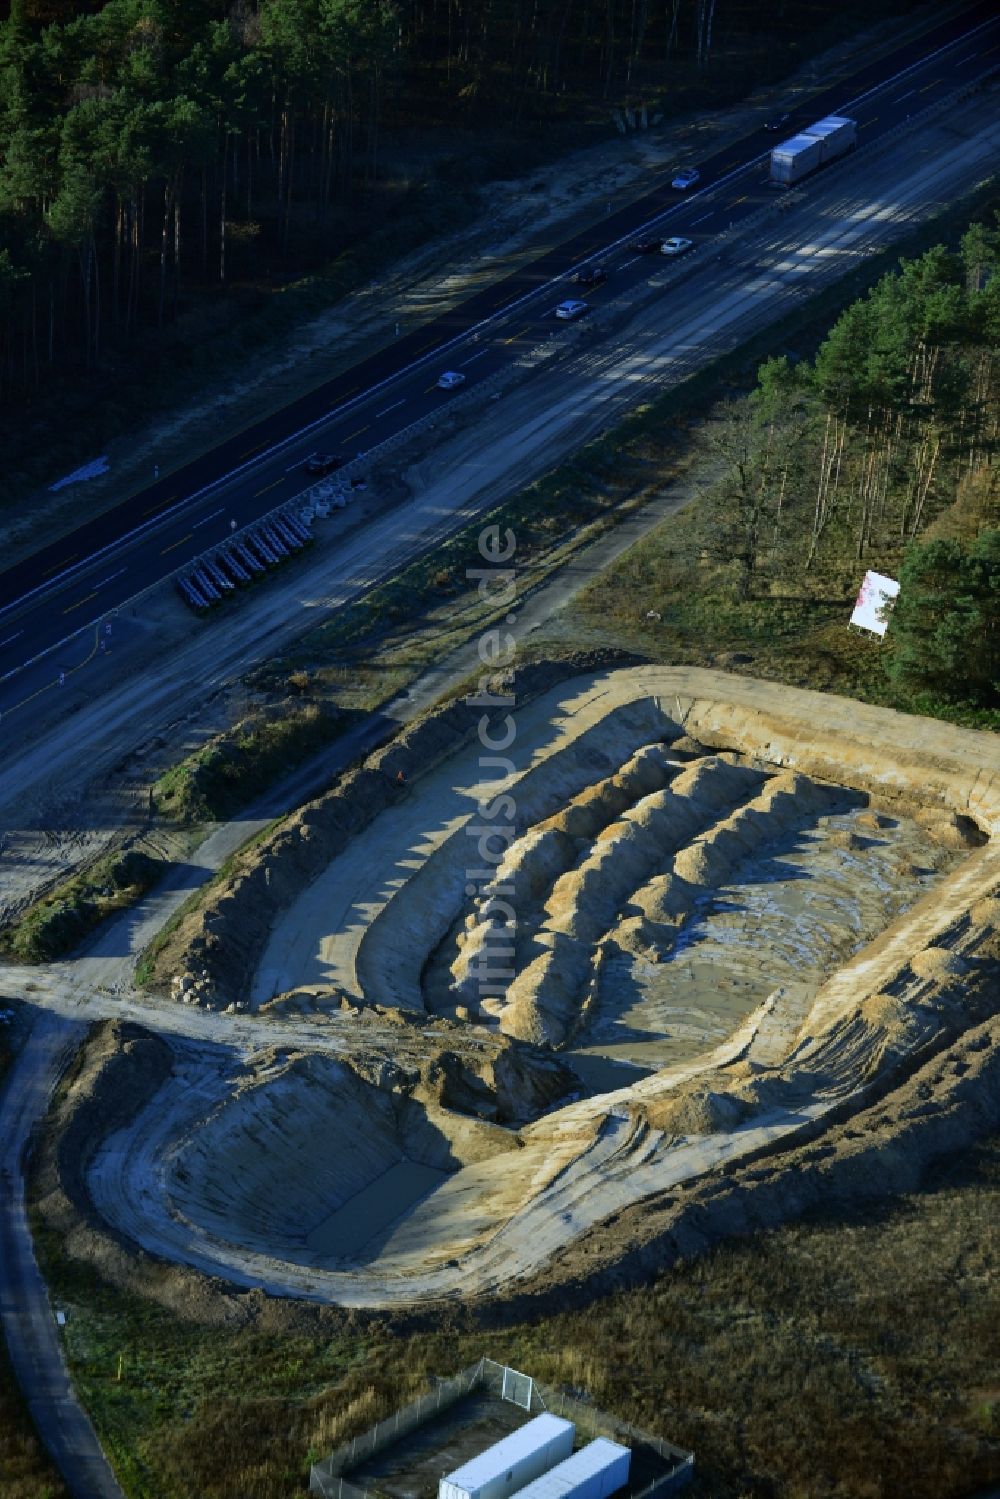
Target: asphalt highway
[(60, 604)]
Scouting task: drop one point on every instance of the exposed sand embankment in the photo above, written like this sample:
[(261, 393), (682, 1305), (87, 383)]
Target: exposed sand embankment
[(826, 858)]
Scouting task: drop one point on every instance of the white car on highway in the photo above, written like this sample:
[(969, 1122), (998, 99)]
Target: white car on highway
[(685, 179), (571, 309), (450, 380), (675, 245)]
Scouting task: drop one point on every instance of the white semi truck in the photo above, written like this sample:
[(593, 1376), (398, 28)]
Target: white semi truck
[(812, 148)]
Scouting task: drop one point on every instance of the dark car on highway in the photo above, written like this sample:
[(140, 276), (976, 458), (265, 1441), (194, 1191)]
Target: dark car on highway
[(323, 463), (646, 246), (777, 122), (591, 275)]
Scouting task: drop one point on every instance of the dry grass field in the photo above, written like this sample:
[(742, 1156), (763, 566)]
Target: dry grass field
[(831, 1359)]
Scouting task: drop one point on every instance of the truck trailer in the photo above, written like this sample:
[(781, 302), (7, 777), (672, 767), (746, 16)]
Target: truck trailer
[(812, 148), (512, 1463), (595, 1472)]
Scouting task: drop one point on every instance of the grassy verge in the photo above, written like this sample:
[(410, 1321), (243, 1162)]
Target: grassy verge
[(52, 926), (227, 773), (832, 1359)]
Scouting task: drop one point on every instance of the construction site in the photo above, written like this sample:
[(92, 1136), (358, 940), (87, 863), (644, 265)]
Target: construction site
[(542, 1006)]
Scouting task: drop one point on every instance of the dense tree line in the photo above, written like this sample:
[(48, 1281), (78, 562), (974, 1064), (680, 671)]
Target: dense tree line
[(149, 148), (885, 447), (134, 140)]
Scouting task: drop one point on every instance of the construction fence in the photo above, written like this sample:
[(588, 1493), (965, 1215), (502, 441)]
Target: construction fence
[(330, 1479)]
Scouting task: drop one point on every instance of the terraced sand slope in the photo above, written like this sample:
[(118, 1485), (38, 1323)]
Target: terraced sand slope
[(770, 898)]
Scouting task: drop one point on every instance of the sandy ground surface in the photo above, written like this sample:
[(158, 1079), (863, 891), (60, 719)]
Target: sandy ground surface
[(253, 1173), (795, 912)]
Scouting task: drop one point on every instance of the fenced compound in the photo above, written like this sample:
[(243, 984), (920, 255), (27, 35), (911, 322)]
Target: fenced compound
[(659, 1468)]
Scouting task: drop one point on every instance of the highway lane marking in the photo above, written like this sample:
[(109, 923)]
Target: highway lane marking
[(159, 504), (473, 359), (933, 84), (205, 519), (515, 336), (68, 672), (901, 97), (11, 638), (174, 544), (57, 565), (80, 602), (358, 433), (391, 408), (269, 486), (255, 449), (707, 215), (738, 200), (627, 263), (106, 581), (872, 121)]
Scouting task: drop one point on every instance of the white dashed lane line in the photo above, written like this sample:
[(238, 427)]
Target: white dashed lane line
[(206, 518)]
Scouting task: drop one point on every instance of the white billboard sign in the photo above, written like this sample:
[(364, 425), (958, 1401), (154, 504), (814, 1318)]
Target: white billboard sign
[(874, 603)]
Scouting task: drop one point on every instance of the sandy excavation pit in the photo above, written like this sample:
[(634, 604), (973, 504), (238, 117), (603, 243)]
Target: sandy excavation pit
[(317, 1164), (770, 901)]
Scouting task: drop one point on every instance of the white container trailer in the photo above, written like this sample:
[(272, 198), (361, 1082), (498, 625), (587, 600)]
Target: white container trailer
[(837, 133), (796, 158), (595, 1472), (825, 141), (512, 1463)]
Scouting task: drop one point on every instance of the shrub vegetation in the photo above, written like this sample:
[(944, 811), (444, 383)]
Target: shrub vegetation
[(58, 922)]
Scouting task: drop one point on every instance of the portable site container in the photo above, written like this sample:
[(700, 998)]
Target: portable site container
[(837, 133), (512, 1463), (597, 1470)]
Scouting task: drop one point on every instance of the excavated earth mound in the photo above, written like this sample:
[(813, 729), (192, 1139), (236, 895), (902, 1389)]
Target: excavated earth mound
[(600, 943)]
